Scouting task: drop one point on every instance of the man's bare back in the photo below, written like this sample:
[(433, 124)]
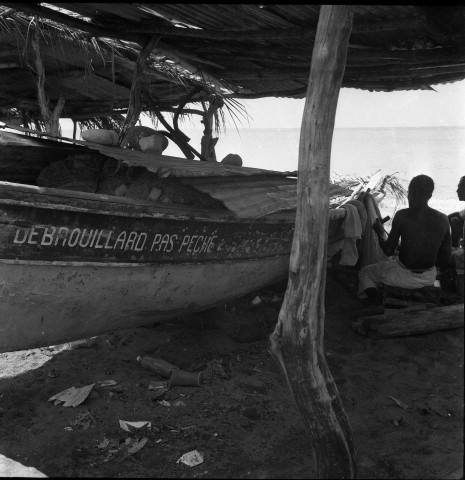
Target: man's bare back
[(424, 236), (425, 243), (424, 232)]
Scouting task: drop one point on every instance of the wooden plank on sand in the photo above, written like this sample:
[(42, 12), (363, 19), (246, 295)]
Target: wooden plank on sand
[(411, 322)]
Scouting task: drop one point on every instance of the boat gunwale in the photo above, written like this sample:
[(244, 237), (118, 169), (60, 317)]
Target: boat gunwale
[(150, 209)]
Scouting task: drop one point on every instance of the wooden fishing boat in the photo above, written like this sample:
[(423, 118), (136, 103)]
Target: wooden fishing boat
[(76, 264)]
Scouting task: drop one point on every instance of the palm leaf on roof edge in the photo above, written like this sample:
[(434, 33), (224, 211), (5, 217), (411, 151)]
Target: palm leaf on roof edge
[(110, 50)]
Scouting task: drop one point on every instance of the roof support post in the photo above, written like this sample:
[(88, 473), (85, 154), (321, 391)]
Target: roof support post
[(208, 142), (297, 341), (135, 104), (51, 118)]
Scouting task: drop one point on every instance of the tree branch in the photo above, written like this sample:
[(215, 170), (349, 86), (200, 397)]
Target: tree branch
[(134, 97), (51, 119)]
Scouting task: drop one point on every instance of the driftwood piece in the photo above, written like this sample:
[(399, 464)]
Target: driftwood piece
[(297, 341), (411, 322)]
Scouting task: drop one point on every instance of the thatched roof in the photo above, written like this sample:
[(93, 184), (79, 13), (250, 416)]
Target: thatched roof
[(89, 51)]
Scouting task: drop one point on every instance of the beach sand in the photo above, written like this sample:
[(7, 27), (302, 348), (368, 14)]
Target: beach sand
[(244, 420)]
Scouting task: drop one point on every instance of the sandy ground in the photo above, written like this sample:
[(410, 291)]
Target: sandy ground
[(243, 420)]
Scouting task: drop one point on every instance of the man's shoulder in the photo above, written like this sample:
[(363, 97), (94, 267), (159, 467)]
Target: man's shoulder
[(438, 214), (429, 214), (402, 212), (440, 219)]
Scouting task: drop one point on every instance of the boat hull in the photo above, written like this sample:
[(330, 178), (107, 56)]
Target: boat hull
[(74, 265), (47, 303)]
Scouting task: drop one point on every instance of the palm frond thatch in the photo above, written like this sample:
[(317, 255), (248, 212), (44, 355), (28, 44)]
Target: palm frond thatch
[(390, 185), (114, 52)]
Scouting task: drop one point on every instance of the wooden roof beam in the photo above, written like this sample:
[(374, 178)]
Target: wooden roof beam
[(297, 93), (275, 34)]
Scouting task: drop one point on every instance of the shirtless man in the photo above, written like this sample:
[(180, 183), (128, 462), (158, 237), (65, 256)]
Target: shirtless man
[(457, 219), (425, 243)]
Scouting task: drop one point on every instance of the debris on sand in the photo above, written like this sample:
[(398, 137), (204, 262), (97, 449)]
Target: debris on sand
[(157, 365), (399, 403), (134, 426), (191, 459), (72, 397)]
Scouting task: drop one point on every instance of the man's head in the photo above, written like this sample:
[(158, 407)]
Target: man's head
[(420, 190), (461, 189)]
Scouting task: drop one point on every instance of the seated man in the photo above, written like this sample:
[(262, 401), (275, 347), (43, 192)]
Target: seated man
[(425, 243), (457, 219)]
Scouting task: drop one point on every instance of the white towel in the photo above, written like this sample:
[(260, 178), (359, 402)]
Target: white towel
[(352, 232), (372, 252)]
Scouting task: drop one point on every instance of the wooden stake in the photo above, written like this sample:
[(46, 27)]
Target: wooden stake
[(297, 342)]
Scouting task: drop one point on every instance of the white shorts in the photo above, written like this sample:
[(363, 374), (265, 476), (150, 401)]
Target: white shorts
[(393, 273)]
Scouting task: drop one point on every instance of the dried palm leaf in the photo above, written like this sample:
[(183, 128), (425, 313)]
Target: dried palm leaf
[(390, 185)]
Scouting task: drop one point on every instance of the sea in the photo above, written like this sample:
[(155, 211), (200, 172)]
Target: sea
[(358, 152)]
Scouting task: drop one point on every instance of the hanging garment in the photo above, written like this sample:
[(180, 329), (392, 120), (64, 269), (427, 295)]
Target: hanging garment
[(371, 251), (352, 232)]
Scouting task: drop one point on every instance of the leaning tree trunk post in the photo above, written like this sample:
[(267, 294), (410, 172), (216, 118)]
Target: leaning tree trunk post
[(51, 118), (135, 102), (297, 341), (208, 142)]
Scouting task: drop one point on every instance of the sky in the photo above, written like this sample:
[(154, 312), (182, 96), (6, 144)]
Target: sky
[(360, 108), (444, 107)]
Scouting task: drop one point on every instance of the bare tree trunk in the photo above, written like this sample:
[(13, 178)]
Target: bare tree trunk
[(51, 118), (135, 103), (297, 342), (208, 142)]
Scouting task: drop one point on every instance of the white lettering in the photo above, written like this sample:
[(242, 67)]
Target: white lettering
[(72, 242), (164, 242), (204, 246), (211, 243), (98, 240), (47, 238), (156, 241), (16, 239), (193, 238), (108, 241), (184, 242), (32, 232), (81, 241), (172, 239), (120, 239), (131, 239), (198, 240), (62, 233), (139, 247), (93, 238), (128, 241)]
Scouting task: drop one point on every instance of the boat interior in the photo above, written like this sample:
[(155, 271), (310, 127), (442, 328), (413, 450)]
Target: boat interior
[(28, 168)]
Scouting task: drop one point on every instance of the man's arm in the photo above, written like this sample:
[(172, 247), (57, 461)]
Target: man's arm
[(444, 259), (388, 246)]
